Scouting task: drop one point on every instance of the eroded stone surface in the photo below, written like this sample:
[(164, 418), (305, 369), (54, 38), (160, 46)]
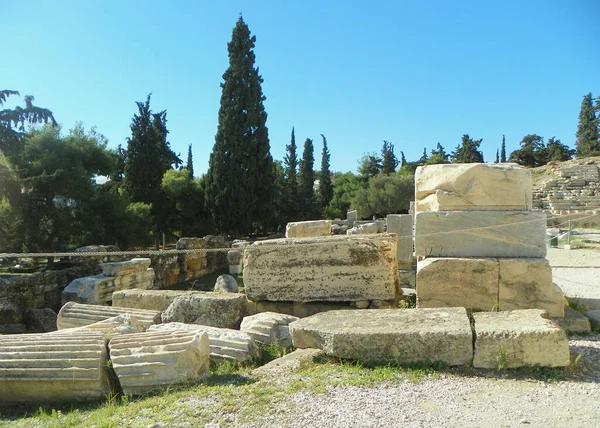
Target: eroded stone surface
[(336, 268), (138, 265), (54, 367), (308, 229), (269, 328), (226, 284), (510, 339), (120, 324), (207, 308), (158, 359), (297, 309), (287, 364), (77, 314), (155, 300), (480, 234), (389, 335), (473, 186), (573, 322), (402, 226)]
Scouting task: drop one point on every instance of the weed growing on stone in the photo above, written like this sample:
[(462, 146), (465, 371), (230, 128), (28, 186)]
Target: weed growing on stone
[(502, 358)]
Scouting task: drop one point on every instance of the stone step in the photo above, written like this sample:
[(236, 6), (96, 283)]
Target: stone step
[(77, 314), (53, 367)]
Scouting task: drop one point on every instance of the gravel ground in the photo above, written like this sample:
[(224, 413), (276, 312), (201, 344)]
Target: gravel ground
[(577, 273)]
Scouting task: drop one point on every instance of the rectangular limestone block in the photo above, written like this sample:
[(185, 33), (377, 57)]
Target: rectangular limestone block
[(308, 229), (124, 268), (337, 268), (480, 234), (511, 339), (527, 284), (457, 282), (402, 225), (154, 300), (473, 186), (389, 335)]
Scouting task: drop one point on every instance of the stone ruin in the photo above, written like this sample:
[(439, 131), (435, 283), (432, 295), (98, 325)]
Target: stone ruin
[(486, 292)]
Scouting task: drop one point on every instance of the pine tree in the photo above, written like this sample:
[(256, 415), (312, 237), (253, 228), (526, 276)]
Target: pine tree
[(424, 157), (497, 156), (503, 151), (290, 170), (467, 151), (306, 181), (325, 184), (402, 159), (438, 156), (190, 162), (239, 181), (389, 162), (587, 140)]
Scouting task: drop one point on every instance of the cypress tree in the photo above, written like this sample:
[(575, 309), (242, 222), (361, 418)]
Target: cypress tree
[(290, 168), (587, 140), (503, 151), (402, 159), (190, 163), (497, 156), (306, 180), (325, 185), (389, 162), (239, 181)]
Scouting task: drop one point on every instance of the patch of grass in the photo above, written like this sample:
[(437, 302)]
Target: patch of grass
[(575, 304), (408, 302)]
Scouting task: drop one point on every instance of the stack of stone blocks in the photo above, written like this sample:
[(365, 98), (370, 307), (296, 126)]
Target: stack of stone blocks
[(480, 245)]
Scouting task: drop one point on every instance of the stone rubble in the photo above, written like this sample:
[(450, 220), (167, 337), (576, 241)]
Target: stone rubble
[(269, 328)]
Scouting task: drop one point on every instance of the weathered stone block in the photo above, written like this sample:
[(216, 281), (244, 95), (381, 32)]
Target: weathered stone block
[(480, 234), (269, 328), (402, 226), (76, 315), (289, 363), (573, 322), (207, 308), (154, 300), (155, 360), (53, 368), (457, 282), (125, 268), (297, 309), (473, 186), (336, 268), (226, 284), (120, 324), (527, 284), (512, 339), (389, 335), (225, 344), (363, 229), (308, 229), (40, 320)]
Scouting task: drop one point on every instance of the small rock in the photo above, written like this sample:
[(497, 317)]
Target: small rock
[(226, 284), (524, 421), (362, 304)]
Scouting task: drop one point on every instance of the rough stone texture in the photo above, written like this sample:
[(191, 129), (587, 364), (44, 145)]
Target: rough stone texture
[(527, 284), (473, 186), (154, 300), (225, 344), (120, 324), (40, 320), (351, 216), (297, 309), (336, 268), (512, 339), (206, 308), (480, 234), (10, 313), (573, 322), (457, 282), (407, 276), (269, 328), (156, 360), (53, 368), (226, 284), (378, 336), (308, 229), (167, 269), (290, 363), (594, 316), (363, 229), (234, 257), (402, 226), (138, 265), (76, 315)]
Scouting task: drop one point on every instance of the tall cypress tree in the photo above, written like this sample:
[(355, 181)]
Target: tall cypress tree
[(389, 162), (239, 182), (306, 181), (587, 140), (190, 162), (290, 168), (325, 184), (503, 150), (497, 156)]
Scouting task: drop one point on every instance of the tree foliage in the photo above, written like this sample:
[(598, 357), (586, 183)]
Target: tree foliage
[(190, 162), (345, 187), (438, 156), (389, 161), (503, 150), (532, 152), (587, 140), (306, 182), (369, 166), (468, 151), (239, 182), (325, 185), (290, 191), (385, 194)]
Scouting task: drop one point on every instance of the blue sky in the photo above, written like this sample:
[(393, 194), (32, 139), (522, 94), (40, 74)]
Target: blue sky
[(413, 73)]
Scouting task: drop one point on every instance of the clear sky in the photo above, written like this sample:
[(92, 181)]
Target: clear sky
[(413, 73)]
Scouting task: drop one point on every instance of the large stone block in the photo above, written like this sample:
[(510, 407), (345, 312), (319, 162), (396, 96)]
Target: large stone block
[(207, 308), (156, 360), (154, 300), (480, 234), (402, 226), (76, 315), (512, 339), (457, 282), (120, 324), (336, 268), (389, 335), (125, 268), (473, 186), (53, 368), (308, 229), (269, 328), (527, 284)]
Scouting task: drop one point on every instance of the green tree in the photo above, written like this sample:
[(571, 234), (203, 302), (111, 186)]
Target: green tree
[(532, 152), (306, 182), (503, 150), (497, 156), (345, 187), (369, 166), (402, 159), (190, 162), (239, 182), (290, 168), (468, 151), (386, 194), (438, 156), (587, 140), (424, 158), (325, 185), (557, 151), (389, 161)]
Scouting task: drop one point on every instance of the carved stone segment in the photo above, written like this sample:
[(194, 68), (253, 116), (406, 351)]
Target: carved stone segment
[(139, 265), (480, 234), (76, 315), (269, 328), (155, 360), (308, 229), (519, 338), (389, 335), (337, 268), (155, 300), (53, 367)]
